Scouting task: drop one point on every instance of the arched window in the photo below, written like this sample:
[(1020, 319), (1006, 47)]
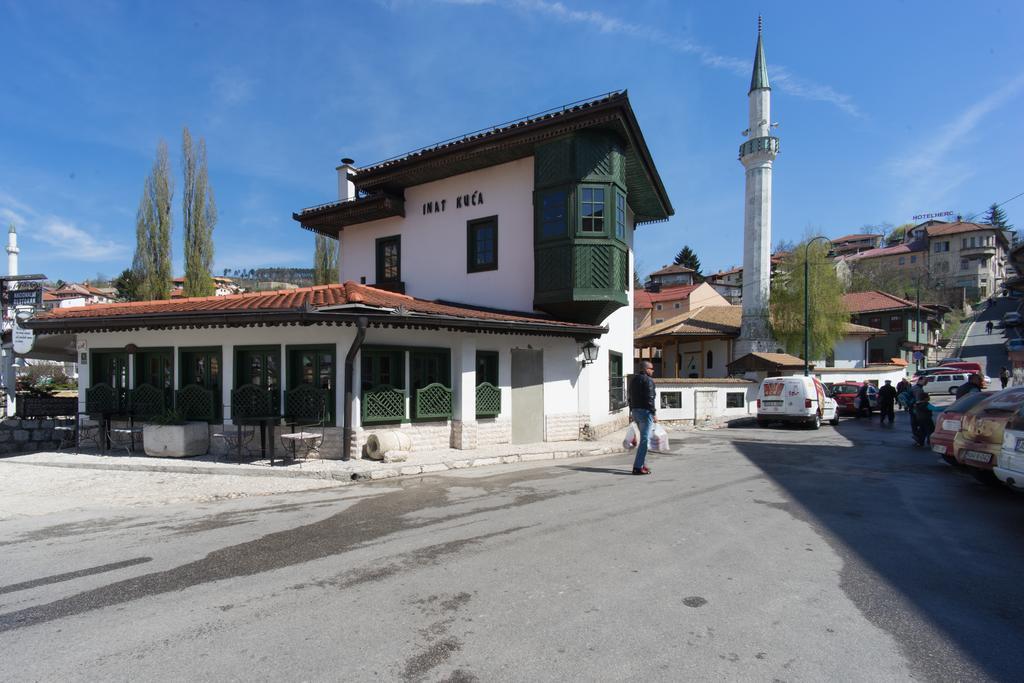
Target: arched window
[(711, 360)]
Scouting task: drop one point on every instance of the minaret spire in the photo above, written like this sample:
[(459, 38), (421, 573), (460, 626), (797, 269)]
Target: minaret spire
[(759, 79), (12, 250), (757, 155)]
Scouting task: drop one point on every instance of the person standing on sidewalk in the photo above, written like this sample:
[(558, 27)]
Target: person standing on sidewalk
[(1004, 377), (642, 410)]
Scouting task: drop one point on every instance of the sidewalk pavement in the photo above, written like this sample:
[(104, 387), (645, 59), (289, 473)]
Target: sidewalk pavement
[(417, 462)]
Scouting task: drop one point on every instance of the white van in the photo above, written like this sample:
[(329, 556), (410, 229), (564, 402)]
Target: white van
[(799, 399), (947, 384)]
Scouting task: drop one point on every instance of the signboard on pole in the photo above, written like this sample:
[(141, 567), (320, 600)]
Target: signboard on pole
[(22, 338), (30, 296)]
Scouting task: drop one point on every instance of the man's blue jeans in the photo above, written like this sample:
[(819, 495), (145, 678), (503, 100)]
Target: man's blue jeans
[(644, 419)]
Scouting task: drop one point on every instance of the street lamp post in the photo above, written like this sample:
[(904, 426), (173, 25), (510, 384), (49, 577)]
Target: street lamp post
[(807, 303)]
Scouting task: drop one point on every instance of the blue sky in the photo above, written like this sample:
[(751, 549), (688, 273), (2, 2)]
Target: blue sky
[(886, 111)]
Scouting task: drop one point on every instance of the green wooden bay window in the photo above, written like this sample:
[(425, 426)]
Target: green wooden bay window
[(488, 393), (581, 250)]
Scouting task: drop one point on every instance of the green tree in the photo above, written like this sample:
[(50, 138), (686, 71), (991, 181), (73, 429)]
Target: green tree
[(687, 257), (997, 217), (152, 262), (127, 285), (200, 215), (325, 261), (828, 316)]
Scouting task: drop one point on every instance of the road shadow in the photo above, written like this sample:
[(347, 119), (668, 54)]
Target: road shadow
[(946, 546), (601, 470)]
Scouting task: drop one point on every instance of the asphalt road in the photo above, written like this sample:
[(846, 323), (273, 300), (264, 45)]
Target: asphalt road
[(990, 349), (749, 554)]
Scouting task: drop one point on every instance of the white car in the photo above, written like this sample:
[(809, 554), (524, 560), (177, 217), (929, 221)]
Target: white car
[(797, 400), (1009, 467), (947, 384)]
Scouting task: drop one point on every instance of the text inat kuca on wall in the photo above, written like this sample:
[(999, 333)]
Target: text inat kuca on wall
[(476, 198)]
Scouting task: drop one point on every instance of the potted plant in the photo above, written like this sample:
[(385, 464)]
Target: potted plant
[(169, 435)]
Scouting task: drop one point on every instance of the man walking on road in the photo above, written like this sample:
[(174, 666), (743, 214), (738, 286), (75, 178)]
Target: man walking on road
[(887, 402), (642, 410), (1004, 377)]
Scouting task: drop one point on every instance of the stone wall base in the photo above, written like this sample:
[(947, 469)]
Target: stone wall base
[(614, 423), (28, 435)]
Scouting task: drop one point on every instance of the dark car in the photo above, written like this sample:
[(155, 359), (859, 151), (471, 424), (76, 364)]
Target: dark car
[(845, 394), (949, 422)]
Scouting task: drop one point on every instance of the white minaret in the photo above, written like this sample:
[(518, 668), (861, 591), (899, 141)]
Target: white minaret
[(12, 251), (757, 155)]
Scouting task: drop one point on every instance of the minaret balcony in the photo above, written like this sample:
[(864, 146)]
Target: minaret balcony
[(761, 145)]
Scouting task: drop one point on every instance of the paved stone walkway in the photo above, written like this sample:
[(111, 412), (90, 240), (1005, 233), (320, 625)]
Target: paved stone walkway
[(422, 462)]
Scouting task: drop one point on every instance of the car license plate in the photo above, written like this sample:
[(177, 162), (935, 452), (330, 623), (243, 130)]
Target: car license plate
[(939, 449), (1019, 445), (951, 425), (976, 456), (772, 403)]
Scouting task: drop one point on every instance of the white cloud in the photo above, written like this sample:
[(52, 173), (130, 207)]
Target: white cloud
[(71, 241), (781, 78), (62, 237), (927, 173)]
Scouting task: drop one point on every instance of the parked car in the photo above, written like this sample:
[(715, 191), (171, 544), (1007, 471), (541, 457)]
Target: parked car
[(795, 400), (980, 439), (964, 366), (1015, 345), (945, 383), (948, 423), (1012, 319), (845, 393), (1009, 467), (937, 370)]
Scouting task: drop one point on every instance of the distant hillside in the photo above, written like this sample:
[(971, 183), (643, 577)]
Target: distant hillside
[(303, 277)]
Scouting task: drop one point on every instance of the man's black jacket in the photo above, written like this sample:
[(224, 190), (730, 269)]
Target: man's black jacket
[(641, 392)]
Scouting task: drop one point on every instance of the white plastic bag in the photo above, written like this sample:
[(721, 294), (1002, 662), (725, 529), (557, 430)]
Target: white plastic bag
[(658, 439), (632, 437)]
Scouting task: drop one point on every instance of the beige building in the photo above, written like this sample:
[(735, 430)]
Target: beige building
[(972, 256)]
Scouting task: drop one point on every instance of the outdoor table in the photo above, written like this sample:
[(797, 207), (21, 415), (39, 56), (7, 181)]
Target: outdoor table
[(263, 422)]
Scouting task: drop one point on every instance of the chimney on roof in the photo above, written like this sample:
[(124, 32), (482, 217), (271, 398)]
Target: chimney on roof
[(346, 188), (959, 218)]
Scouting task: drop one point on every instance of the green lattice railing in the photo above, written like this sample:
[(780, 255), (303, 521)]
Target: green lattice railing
[(306, 403), (146, 401), (433, 401), (488, 400), (196, 403), (383, 404), (250, 400), (102, 399)]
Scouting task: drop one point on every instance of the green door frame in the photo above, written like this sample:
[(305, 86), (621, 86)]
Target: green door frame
[(293, 355)]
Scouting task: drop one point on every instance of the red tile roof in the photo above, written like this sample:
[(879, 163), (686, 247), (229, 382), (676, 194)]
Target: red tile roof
[(856, 237), (937, 229), (672, 269), (321, 298), (906, 248), (642, 299), (868, 302)]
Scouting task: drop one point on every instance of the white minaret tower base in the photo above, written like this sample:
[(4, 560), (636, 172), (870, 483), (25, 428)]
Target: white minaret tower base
[(757, 155)]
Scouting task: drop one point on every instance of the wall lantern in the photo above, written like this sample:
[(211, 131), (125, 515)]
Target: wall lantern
[(131, 348), (589, 353)]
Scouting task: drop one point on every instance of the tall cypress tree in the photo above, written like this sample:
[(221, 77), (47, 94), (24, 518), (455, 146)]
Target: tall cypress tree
[(325, 261), (152, 261), (200, 215)]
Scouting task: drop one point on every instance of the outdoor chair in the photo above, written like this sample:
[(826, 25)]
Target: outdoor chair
[(306, 420), (238, 439), (85, 430)]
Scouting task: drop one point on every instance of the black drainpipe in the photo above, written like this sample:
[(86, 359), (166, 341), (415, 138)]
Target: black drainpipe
[(350, 357)]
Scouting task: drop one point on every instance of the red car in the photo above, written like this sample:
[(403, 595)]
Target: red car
[(845, 393), (949, 422)]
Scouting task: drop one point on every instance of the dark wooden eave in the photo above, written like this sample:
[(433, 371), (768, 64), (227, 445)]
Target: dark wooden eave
[(328, 219), (374, 316), (501, 144)]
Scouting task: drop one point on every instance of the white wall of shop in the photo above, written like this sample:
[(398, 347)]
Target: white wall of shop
[(687, 352), (434, 245), (569, 389), (678, 400)]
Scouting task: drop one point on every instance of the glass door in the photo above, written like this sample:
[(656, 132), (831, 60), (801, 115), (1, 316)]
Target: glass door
[(261, 368), (202, 368), (314, 367)]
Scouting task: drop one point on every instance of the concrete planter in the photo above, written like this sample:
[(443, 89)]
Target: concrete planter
[(176, 441)]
